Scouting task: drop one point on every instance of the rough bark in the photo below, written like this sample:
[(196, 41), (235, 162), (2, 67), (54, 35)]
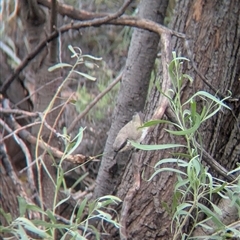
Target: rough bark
[(212, 30), (133, 91)]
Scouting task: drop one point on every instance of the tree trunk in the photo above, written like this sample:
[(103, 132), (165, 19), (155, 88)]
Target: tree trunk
[(37, 22), (133, 92), (213, 33)]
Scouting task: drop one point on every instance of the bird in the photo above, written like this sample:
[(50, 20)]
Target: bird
[(130, 131)]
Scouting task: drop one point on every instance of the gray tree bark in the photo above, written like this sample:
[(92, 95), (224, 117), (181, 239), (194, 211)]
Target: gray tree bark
[(213, 33), (133, 91)]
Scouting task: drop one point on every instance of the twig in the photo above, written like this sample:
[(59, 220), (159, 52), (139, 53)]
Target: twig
[(18, 112), (34, 92), (29, 114), (214, 164), (17, 130), (93, 103), (24, 134), (73, 13), (68, 222)]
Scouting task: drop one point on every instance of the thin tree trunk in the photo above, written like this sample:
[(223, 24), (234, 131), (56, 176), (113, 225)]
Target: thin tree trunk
[(133, 91), (36, 23)]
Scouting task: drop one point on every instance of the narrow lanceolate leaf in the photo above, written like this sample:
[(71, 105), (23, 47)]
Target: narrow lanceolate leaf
[(81, 209), (167, 170), (211, 214), (154, 147), (156, 122), (92, 57), (31, 227), (85, 75), (187, 131), (59, 65), (180, 162), (208, 95), (70, 47)]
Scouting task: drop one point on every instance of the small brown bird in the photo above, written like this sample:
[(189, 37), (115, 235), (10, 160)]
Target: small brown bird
[(130, 131)]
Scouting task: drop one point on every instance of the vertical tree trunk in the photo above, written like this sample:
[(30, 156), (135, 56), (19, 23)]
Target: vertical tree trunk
[(213, 34), (133, 91), (37, 23)]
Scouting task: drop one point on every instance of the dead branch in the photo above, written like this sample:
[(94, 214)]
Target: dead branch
[(73, 13), (24, 134), (28, 114), (109, 19)]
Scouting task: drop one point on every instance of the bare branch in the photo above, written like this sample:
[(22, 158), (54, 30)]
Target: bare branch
[(71, 12), (24, 134), (110, 19)]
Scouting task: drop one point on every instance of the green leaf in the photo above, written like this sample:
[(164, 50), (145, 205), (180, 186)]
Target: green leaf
[(79, 138), (216, 208), (92, 57), (6, 216), (51, 216), (210, 96), (211, 214), (188, 77), (31, 227), (59, 65), (187, 131), (80, 179), (35, 208), (180, 162), (183, 206), (181, 184), (73, 51), (193, 105), (63, 200), (81, 209), (154, 147), (113, 199), (85, 75), (166, 169), (156, 122), (22, 206)]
